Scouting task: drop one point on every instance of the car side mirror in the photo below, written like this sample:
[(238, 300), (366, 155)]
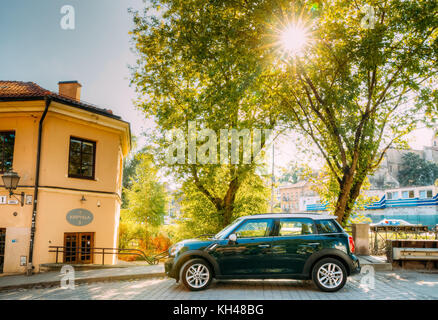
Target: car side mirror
[(232, 237)]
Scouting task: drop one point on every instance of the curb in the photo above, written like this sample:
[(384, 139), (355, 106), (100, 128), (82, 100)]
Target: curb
[(46, 284), (379, 266)]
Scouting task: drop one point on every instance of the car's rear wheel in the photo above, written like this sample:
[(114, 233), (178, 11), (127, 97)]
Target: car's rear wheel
[(196, 274), (329, 275)]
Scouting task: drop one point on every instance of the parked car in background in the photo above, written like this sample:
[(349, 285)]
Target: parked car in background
[(268, 246), (392, 222)]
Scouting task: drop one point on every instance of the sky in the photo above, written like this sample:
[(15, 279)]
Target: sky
[(34, 47)]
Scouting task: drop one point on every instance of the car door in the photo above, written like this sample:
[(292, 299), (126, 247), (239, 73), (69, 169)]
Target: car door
[(295, 239), (248, 255)]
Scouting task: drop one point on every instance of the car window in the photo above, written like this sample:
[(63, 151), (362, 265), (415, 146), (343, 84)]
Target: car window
[(295, 227), (225, 230), (253, 228), (327, 226)]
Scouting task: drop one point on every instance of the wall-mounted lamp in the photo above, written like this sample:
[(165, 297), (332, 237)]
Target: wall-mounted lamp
[(10, 180), (98, 203), (83, 199)]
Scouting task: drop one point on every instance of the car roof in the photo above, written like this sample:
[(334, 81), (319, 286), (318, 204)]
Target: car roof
[(314, 216)]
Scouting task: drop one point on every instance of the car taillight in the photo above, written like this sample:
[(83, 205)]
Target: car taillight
[(351, 243)]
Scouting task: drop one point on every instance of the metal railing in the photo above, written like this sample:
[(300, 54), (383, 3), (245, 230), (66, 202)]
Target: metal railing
[(107, 251), (380, 234)]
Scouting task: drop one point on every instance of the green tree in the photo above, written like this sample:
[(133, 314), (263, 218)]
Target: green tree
[(416, 171), (196, 62), (291, 174), (146, 198), (355, 91), (200, 216)]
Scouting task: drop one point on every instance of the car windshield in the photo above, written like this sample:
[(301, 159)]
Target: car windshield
[(225, 230)]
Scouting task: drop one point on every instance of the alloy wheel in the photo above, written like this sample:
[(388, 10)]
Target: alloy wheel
[(330, 275), (197, 275)]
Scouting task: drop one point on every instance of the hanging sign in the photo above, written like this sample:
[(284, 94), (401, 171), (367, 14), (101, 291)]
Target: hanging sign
[(79, 217)]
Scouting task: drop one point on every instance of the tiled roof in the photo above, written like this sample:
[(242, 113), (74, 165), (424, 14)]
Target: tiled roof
[(16, 89), (299, 184), (19, 90)]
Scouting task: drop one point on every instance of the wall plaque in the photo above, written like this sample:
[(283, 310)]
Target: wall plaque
[(79, 217)]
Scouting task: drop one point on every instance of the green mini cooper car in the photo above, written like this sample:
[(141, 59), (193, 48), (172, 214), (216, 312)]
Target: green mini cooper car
[(268, 246)]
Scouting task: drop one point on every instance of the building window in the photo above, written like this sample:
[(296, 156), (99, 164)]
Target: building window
[(7, 141), (82, 157), (393, 195), (408, 194), (426, 194)]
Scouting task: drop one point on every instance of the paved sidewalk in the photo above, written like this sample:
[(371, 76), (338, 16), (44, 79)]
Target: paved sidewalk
[(379, 263), (53, 278), (388, 285)]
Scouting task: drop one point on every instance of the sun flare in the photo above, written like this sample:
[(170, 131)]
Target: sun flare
[(293, 39)]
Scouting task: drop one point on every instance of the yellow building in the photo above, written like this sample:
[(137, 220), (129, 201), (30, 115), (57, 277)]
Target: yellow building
[(69, 157)]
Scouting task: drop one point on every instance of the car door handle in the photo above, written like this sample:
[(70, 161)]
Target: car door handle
[(264, 245)]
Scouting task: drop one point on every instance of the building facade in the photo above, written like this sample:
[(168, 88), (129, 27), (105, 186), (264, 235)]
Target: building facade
[(386, 176), (69, 157), (292, 193), (416, 205)]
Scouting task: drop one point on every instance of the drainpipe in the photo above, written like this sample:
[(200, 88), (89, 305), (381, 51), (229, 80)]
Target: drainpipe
[(37, 179)]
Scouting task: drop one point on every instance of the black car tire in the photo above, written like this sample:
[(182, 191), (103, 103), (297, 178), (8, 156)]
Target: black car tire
[(196, 274), (329, 274)]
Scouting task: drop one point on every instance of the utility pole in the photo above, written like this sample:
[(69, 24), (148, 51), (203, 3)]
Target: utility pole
[(272, 179)]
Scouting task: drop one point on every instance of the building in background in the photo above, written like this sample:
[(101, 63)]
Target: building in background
[(292, 193), (174, 206), (69, 157), (416, 205), (386, 176)]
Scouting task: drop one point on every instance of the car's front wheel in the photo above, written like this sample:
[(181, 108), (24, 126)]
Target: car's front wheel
[(329, 274), (196, 274)]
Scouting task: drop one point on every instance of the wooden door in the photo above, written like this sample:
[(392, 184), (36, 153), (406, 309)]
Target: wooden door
[(86, 245), (78, 247)]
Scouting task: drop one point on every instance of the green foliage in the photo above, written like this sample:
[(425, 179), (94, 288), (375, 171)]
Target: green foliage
[(129, 230), (353, 93), (197, 62), (292, 174), (416, 171), (146, 199), (359, 219), (356, 92), (200, 217)]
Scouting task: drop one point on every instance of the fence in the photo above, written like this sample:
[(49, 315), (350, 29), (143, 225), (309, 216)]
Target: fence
[(108, 251), (380, 234)]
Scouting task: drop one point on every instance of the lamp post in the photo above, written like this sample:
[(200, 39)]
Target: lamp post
[(10, 181)]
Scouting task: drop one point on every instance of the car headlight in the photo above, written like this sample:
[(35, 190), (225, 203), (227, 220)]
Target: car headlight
[(175, 249)]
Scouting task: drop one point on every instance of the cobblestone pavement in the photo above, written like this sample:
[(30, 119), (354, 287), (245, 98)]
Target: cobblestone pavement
[(388, 285)]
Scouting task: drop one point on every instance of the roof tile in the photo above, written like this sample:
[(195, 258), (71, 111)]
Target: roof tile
[(29, 90)]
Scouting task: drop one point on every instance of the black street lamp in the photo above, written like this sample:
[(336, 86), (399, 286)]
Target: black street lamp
[(10, 181)]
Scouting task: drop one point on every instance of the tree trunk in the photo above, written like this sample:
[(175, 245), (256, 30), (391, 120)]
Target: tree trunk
[(344, 195), (228, 201)]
